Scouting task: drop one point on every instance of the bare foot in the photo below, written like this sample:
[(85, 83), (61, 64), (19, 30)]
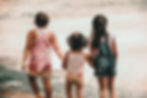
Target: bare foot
[(39, 95)]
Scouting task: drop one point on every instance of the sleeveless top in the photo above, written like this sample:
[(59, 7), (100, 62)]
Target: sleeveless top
[(75, 64), (40, 53), (104, 62)]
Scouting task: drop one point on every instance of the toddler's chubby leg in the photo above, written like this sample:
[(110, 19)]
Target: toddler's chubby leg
[(68, 88), (32, 80), (79, 86)]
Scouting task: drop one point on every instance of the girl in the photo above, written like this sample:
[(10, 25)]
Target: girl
[(38, 47), (74, 64), (104, 53)]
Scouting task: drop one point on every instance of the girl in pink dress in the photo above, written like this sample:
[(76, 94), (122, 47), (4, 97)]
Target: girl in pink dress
[(38, 47)]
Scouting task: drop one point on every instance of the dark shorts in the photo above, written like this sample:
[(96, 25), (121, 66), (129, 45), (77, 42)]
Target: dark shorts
[(105, 72)]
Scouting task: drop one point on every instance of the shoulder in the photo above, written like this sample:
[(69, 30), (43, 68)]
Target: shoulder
[(112, 38), (67, 54), (51, 35), (85, 55), (112, 41), (31, 33)]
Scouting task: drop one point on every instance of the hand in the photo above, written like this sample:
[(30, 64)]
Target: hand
[(24, 67), (64, 67)]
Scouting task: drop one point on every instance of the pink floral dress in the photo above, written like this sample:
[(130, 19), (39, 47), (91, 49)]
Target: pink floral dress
[(40, 58)]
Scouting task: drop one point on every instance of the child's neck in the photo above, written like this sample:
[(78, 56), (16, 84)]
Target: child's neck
[(76, 51), (42, 30)]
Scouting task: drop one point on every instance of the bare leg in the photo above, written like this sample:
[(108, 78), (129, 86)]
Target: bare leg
[(34, 86), (79, 90), (47, 86), (68, 89), (103, 85), (111, 87)]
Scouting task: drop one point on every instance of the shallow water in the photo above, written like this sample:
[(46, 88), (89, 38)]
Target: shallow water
[(127, 22)]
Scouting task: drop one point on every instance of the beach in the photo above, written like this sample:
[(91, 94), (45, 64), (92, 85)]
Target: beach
[(127, 23)]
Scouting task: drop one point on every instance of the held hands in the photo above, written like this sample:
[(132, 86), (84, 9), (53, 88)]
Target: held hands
[(64, 61), (24, 67), (94, 52)]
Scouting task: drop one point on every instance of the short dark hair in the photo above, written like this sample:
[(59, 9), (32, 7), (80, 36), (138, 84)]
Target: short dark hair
[(41, 19), (77, 41)]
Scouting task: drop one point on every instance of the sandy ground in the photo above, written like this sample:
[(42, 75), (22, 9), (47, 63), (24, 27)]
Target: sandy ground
[(22, 95), (127, 22), (18, 95)]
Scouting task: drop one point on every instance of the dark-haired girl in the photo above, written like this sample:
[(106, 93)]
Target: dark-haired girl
[(38, 47), (104, 55), (74, 64)]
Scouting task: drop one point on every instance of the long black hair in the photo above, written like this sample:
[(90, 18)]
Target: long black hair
[(99, 25)]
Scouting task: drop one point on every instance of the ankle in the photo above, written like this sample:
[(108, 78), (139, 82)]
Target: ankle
[(39, 95)]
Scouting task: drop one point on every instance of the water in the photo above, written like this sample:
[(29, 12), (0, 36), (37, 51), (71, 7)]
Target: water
[(127, 22)]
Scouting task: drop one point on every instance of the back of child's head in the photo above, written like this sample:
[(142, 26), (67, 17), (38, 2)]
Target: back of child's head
[(41, 19), (77, 41), (99, 30)]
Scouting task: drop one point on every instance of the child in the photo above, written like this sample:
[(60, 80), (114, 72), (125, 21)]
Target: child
[(38, 47), (74, 64), (104, 53)]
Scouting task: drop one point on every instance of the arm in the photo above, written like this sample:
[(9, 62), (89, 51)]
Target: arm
[(27, 50), (65, 60), (56, 46), (92, 54), (114, 49), (88, 59)]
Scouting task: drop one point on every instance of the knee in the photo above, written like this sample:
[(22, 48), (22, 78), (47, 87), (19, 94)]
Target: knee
[(68, 89), (32, 78), (110, 87), (48, 88), (47, 84), (80, 93), (102, 88)]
